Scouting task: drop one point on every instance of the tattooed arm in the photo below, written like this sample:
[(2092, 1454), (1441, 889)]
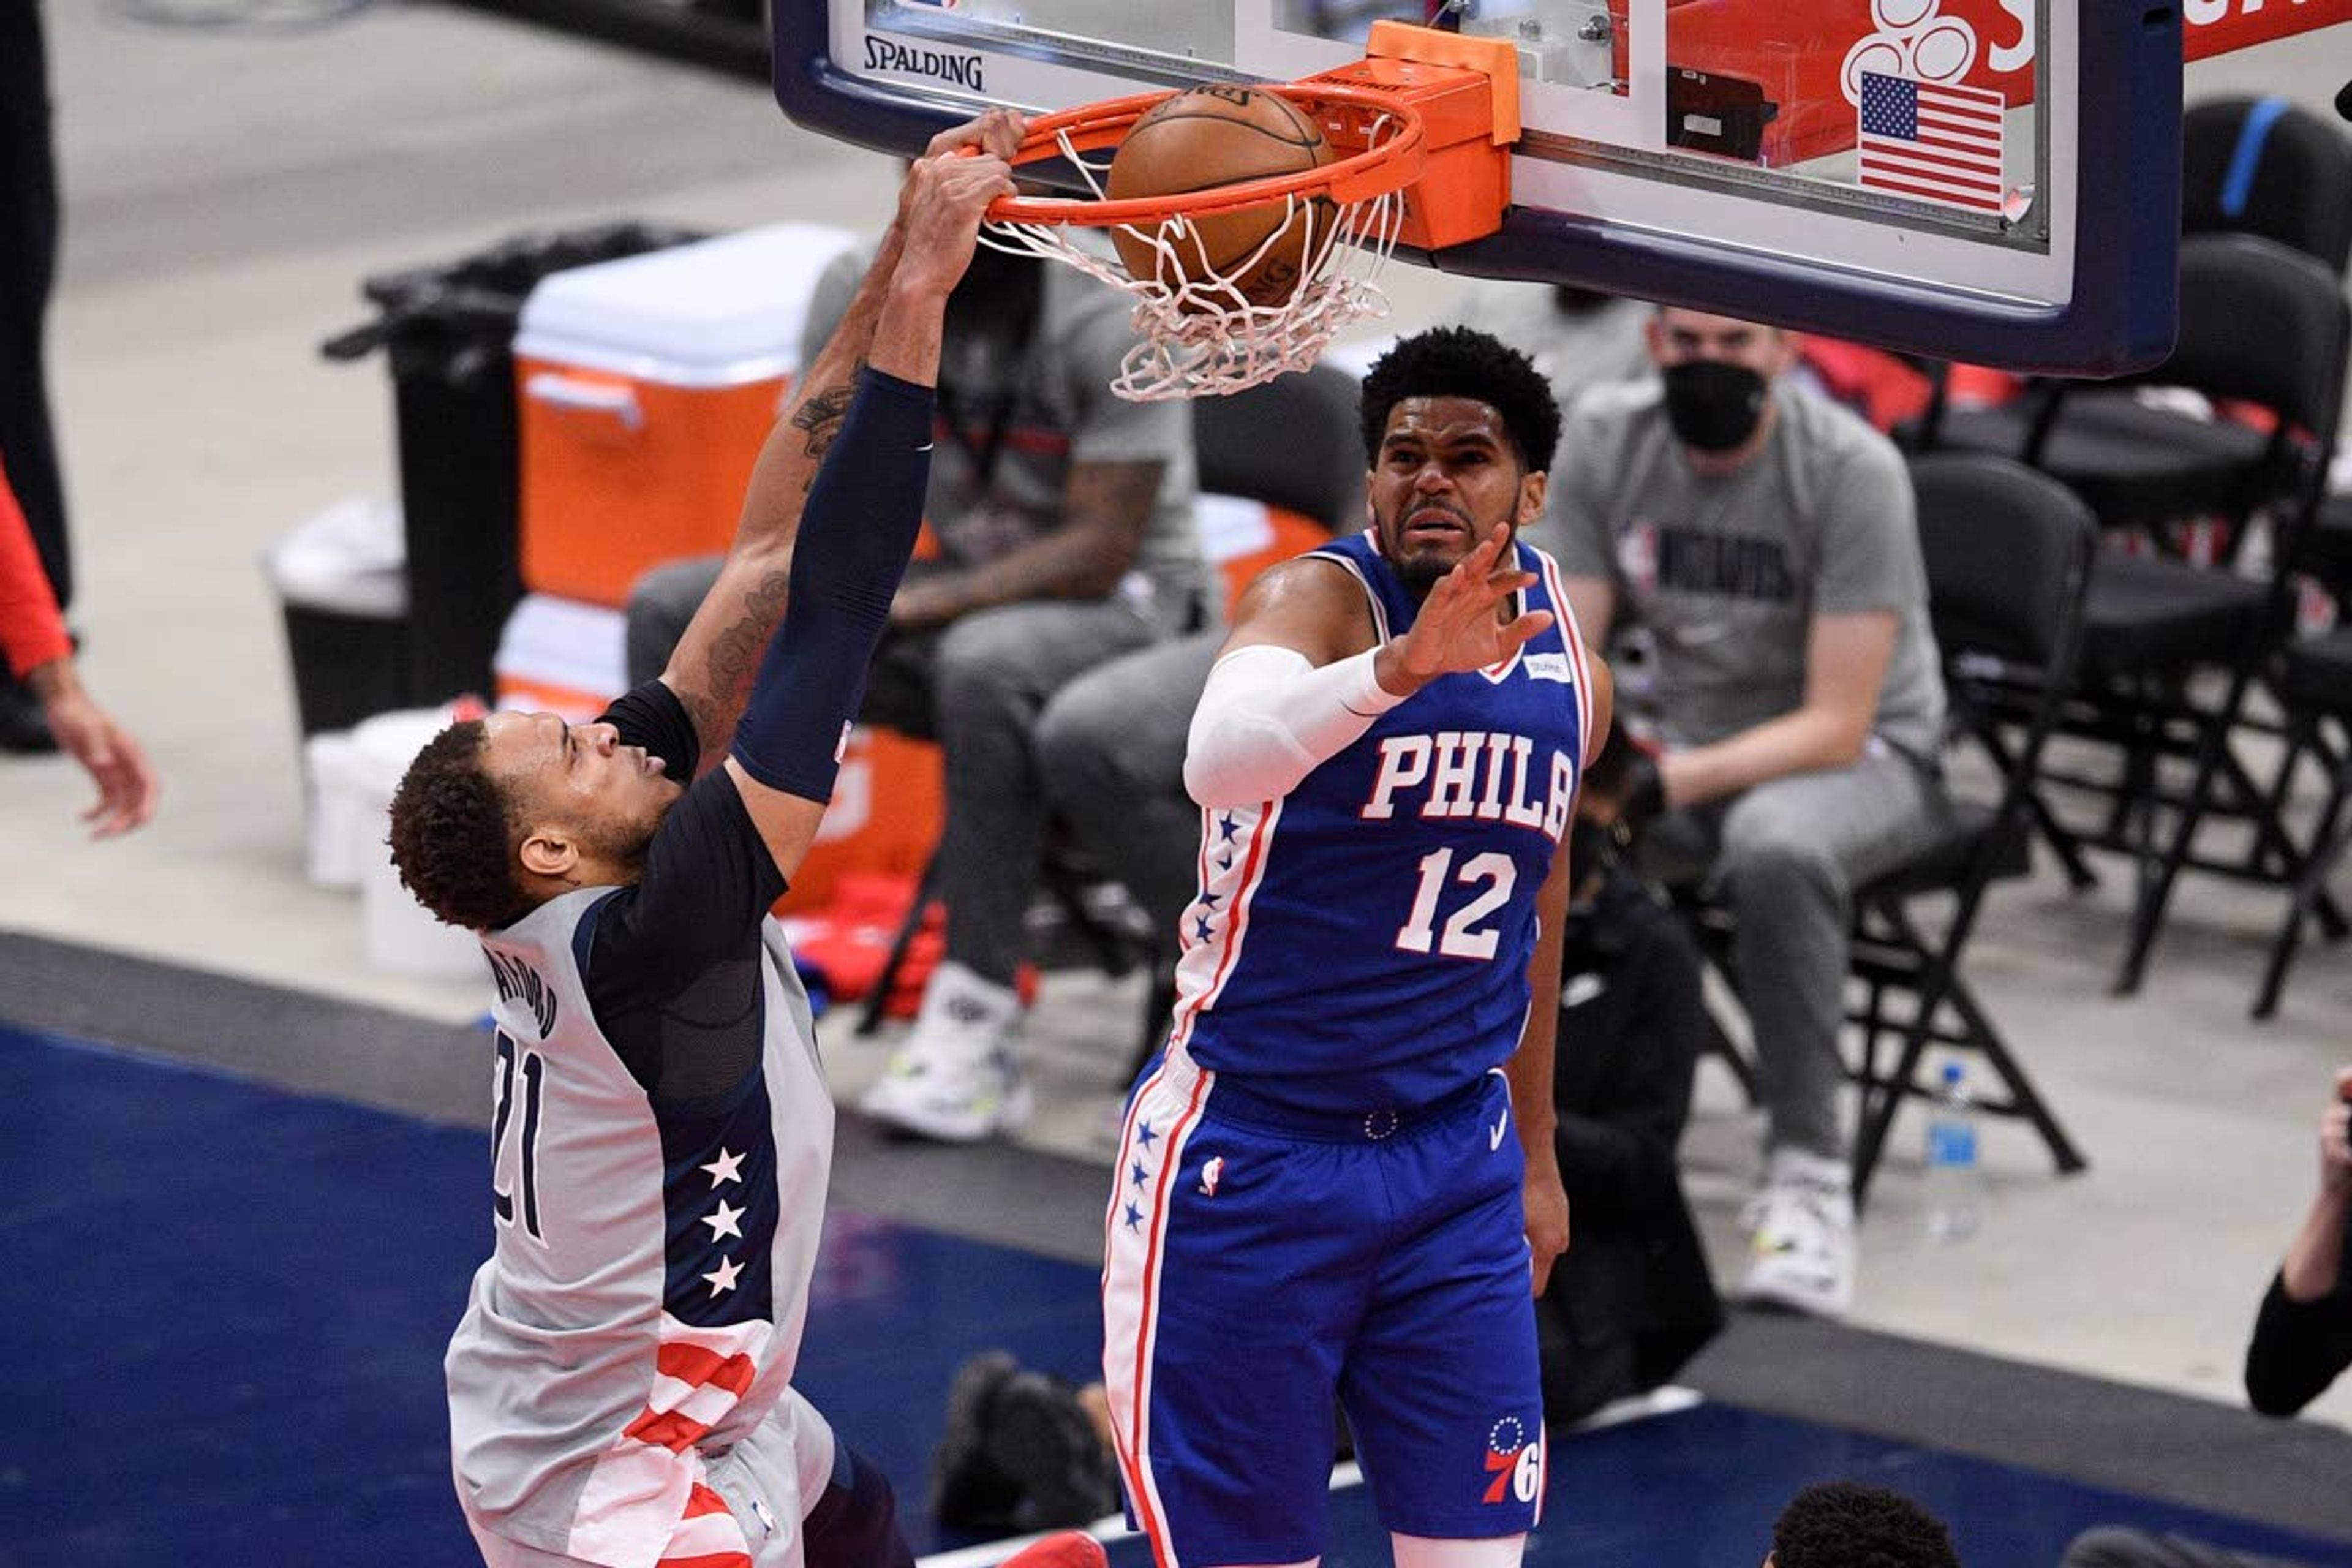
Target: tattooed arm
[(712, 667)]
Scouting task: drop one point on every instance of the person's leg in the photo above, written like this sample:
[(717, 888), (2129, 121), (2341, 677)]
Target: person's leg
[(1443, 1385), (855, 1523), (956, 1076), (1494, 1551), (1110, 750), (1225, 1310), (996, 671), (1794, 851), (28, 258)]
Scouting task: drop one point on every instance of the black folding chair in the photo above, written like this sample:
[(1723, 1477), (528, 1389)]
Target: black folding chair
[(2260, 324), (2271, 167), (2314, 685), (2008, 555)]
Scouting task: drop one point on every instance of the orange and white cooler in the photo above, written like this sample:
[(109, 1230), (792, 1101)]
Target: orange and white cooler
[(646, 387)]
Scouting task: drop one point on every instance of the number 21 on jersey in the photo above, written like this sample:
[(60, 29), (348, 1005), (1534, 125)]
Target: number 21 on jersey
[(1488, 878), (526, 1069)]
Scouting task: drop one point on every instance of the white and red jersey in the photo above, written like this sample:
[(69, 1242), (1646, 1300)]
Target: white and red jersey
[(646, 1295)]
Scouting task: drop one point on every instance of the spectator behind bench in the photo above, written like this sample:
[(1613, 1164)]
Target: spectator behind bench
[(1064, 516), (1761, 542)]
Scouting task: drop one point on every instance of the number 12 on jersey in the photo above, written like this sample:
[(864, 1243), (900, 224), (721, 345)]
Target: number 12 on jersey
[(1494, 872)]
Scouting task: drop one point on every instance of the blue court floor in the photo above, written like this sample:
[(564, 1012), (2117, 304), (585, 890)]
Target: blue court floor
[(226, 1308)]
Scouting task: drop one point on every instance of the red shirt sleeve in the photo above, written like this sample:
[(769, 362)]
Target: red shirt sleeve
[(31, 633)]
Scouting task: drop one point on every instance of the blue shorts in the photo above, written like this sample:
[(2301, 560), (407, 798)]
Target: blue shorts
[(1258, 1261)]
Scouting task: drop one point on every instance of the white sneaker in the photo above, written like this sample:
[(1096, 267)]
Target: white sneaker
[(957, 1074), (1801, 1256)]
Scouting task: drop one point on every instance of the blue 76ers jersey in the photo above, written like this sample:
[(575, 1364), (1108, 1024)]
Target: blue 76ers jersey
[(1364, 941)]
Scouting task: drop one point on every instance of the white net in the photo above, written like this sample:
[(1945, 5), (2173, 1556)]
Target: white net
[(1201, 332)]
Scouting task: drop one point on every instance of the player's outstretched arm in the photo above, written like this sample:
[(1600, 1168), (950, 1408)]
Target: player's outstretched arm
[(1300, 677), (862, 515), (712, 665)]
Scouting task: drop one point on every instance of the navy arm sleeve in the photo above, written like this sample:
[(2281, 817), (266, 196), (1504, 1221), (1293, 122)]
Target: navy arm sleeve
[(856, 531), (673, 970)]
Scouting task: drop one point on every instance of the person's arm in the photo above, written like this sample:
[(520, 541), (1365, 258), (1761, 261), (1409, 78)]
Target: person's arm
[(2315, 1263), (863, 514), (40, 653), (1529, 1070), (1846, 660), (1300, 677), (2303, 1338), (1106, 507), (712, 665), (1868, 572)]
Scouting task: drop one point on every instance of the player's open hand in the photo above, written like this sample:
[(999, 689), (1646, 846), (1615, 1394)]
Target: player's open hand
[(944, 199), (1461, 626)]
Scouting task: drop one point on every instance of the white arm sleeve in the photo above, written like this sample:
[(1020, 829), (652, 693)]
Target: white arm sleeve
[(1267, 717)]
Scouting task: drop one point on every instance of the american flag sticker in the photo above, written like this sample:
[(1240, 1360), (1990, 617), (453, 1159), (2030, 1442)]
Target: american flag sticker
[(1931, 141)]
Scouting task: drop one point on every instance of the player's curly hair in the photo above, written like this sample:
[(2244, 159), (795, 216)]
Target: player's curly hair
[(1840, 1524), (1462, 362), (453, 833)]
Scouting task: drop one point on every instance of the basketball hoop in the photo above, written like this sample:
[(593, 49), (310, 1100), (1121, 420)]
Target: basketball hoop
[(1201, 332)]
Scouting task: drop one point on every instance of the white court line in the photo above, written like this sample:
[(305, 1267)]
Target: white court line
[(1664, 1401)]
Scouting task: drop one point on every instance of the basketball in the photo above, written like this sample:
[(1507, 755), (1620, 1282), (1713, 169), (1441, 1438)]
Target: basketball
[(1216, 136)]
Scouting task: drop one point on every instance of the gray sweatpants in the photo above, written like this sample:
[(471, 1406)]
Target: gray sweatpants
[(989, 677), (1785, 859), (1111, 748)]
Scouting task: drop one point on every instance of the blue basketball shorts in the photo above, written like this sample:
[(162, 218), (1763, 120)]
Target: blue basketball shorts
[(1259, 1260)]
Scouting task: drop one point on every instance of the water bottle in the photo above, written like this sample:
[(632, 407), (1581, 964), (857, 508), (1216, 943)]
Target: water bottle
[(1955, 1181)]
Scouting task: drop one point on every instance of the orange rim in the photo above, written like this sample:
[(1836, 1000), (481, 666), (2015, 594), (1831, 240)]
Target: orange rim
[(1378, 171)]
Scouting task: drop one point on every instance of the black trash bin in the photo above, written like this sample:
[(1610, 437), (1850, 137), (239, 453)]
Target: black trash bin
[(449, 331)]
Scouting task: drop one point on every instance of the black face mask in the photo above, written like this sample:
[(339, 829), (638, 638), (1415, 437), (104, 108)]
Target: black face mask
[(1712, 406)]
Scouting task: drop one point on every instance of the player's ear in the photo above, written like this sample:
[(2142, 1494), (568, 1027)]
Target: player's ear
[(548, 852), (1531, 498)]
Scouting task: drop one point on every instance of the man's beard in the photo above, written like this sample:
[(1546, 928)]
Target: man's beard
[(1421, 573), (624, 844)]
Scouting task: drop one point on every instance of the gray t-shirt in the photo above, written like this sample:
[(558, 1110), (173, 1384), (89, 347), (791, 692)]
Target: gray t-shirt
[(1014, 423), (1724, 575)]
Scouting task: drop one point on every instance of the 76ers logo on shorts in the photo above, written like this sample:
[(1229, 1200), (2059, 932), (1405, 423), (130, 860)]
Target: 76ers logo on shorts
[(1515, 1459)]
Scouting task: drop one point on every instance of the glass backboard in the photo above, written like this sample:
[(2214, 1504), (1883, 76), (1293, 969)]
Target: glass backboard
[(1992, 180)]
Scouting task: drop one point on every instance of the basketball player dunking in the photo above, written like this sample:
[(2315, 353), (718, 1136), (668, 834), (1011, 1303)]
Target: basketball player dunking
[(620, 1384), (1318, 1185)]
